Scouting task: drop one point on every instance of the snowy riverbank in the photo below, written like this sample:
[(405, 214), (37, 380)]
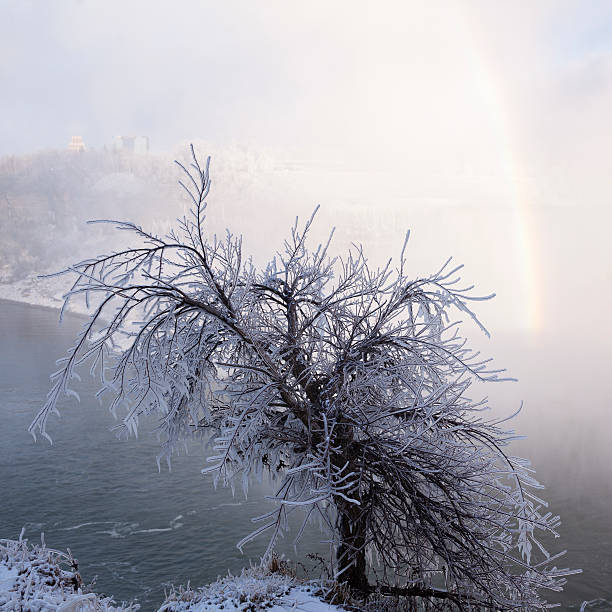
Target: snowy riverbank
[(39, 579), (252, 590), (37, 291)]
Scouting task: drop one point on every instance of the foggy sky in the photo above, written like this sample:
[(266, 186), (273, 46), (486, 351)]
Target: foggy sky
[(355, 79), (508, 96)]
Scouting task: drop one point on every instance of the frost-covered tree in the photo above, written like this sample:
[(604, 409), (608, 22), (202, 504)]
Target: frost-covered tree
[(347, 384)]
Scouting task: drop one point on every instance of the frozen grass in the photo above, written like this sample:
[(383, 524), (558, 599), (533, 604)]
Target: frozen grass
[(255, 589), (39, 579)]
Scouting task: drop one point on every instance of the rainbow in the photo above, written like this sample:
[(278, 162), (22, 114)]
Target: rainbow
[(513, 173)]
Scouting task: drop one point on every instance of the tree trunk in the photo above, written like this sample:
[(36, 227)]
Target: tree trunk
[(351, 551)]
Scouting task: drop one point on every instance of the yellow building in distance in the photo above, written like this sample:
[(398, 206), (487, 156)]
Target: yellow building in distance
[(76, 144)]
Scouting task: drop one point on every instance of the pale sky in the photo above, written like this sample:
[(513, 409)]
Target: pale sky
[(358, 79)]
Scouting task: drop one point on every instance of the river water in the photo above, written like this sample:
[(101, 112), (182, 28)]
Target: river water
[(138, 530)]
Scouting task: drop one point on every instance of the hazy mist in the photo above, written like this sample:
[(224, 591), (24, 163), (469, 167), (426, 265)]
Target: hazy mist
[(483, 127), (484, 130)]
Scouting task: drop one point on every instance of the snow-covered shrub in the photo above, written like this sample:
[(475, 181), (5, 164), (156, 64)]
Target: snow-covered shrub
[(256, 588), (39, 579), (347, 384), (253, 589)]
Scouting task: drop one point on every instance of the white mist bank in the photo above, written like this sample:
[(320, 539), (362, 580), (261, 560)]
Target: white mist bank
[(536, 253)]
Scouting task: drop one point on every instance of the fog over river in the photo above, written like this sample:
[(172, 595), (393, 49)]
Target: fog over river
[(138, 529)]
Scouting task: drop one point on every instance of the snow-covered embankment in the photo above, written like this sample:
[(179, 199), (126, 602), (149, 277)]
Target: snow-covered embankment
[(39, 579)]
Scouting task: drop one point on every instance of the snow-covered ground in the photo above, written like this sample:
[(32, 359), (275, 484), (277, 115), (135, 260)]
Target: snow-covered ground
[(46, 291), (38, 579), (253, 590)]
